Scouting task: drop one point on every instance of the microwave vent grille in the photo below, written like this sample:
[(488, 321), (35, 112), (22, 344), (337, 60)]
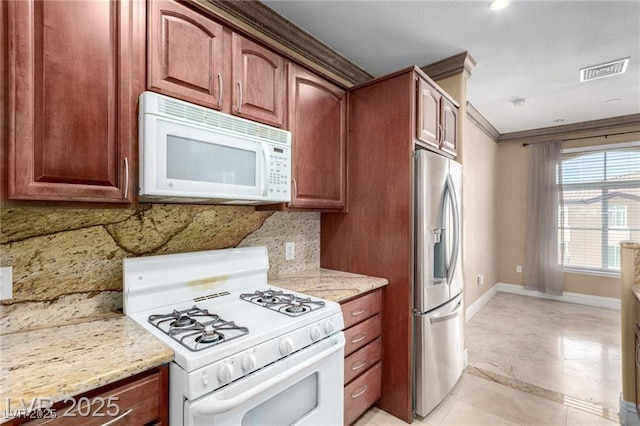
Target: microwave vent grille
[(222, 121)]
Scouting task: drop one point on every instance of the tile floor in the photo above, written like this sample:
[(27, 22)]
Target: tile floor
[(534, 362)]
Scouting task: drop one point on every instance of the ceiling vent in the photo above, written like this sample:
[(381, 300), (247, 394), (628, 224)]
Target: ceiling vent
[(604, 70)]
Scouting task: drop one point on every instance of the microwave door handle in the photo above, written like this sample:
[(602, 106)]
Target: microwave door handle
[(267, 170)]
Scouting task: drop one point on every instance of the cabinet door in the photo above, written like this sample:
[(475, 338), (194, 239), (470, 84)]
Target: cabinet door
[(75, 71), (448, 117), (317, 120), (184, 54), (258, 82), (428, 120)]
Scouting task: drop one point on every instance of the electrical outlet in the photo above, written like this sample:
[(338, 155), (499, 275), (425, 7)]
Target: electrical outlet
[(480, 279), (289, 251), (6, 282), (519, 269)]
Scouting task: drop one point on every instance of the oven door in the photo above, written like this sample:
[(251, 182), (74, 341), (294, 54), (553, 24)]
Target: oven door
[(305, 388), (185, 160)]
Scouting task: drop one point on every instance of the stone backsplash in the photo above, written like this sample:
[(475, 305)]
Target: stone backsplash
[(67, 263)]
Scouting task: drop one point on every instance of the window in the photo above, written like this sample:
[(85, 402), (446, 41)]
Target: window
[(601, 195), (617, 216)]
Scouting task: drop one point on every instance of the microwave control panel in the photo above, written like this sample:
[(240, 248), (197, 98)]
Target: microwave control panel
[(280, 171)]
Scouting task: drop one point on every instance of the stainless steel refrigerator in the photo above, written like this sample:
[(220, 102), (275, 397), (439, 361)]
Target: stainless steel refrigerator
[(438, 302)]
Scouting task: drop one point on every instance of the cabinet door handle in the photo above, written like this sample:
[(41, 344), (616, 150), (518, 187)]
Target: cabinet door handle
[(355, 395), (239, 96), (359, 312), (355, 367), (126, 177), (219, 89), (121, 416), (359, 337), (295, 192)]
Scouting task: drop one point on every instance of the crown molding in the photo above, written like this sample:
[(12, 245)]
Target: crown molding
[(558, 132), (275, 27), (457, 64), (483, 124)]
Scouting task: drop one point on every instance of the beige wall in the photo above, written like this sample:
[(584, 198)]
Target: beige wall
[(512, 198), (480, 218), (478, 154)]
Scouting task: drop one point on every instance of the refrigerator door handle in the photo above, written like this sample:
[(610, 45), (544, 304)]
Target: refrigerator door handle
[(450, 191), (448, 316)]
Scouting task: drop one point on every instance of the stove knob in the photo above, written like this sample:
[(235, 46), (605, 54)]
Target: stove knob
[(248, 363), (225, 373), (286, 346), (329, 327), (315, 333)]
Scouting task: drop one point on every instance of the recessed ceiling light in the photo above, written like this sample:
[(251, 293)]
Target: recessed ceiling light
[(559, 120), (613, 101), (498, 4), (518, 102)]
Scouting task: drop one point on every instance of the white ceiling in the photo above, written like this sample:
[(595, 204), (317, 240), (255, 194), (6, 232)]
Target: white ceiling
[(531, 50)]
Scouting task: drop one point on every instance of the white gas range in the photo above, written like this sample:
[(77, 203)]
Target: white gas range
[(246, 353)]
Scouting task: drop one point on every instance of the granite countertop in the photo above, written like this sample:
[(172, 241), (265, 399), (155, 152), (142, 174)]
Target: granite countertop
[(635, 288), (328, 284), (61, 362)]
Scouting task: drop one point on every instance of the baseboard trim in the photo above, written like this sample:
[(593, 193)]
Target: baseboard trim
[(628, 413), (475, 307), (581, 299)]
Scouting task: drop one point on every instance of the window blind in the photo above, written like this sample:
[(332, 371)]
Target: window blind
[(601, 207)]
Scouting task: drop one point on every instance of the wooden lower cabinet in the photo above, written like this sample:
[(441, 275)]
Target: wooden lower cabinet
[(138, 400), (360, 394), (363, 354), (361, 334), (361, 360)]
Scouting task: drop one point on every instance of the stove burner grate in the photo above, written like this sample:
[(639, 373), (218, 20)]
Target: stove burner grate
[(196, 328), (285, 303)]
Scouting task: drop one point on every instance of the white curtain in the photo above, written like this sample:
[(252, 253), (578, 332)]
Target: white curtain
[(542, 267)]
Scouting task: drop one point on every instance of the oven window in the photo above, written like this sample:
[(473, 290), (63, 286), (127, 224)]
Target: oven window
[(288, 406), (193, 160)]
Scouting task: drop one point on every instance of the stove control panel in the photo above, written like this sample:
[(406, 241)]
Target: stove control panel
[(315, 333), (286, 346), (329, 326), (225, 373), (248, 363), (234, 367)]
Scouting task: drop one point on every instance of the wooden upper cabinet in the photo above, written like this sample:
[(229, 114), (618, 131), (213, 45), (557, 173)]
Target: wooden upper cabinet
[(75, 70), (317, 120), (449, 121), (258, 77), (436, 118), (185, 54), (428, 111), (193, 58)]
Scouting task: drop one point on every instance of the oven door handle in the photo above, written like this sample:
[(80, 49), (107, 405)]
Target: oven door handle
[(216, 406)]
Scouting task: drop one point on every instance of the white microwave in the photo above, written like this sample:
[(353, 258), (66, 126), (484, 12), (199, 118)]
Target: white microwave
[(191, 154)]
